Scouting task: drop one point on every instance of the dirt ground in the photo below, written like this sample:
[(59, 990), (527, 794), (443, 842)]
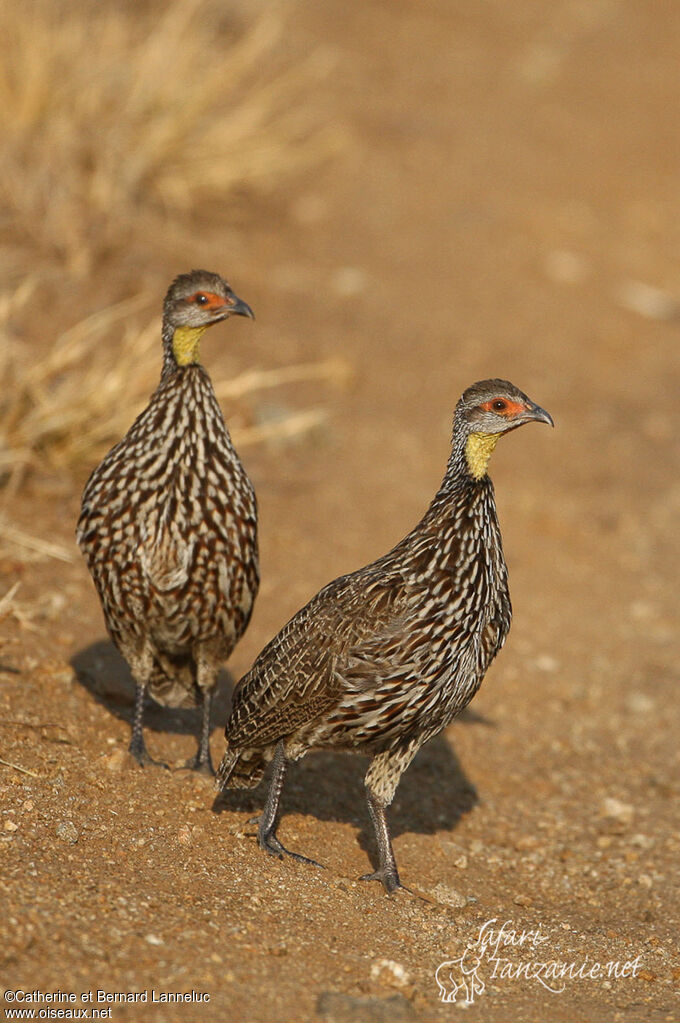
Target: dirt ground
[(506, 206)]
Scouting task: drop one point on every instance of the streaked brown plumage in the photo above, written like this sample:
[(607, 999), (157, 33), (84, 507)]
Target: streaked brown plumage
[(168, 524), (383, 659)]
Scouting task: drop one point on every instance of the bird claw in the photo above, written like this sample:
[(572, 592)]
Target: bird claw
[(141, 755), (389, 880), (201, 766), (271, 844)]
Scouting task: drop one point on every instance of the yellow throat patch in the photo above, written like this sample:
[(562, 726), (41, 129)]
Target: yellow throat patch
[(185, 344), (478, 452)]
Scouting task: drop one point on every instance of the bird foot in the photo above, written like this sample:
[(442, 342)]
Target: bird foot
[(201, 765), (389, 880), (141, 755), (271, 844)]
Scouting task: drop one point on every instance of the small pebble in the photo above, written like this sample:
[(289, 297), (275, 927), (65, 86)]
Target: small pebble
[(525, 843), (67, 832), (617, 810), (184, 835), (642, 841), (639, 703), (449, 896), (153, 939), (642, 610), (565, 267), (348, 281), (387, 971), (646, 300), (11, 826), (117, 761)]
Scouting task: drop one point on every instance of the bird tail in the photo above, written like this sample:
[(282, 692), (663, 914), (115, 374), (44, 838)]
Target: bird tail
[(172, 682), (242, 768)]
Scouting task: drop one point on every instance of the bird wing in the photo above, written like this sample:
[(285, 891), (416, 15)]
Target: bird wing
[(303, 671)]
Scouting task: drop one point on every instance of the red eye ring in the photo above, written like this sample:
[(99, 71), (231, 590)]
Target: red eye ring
[(499, 405), (201, 299)]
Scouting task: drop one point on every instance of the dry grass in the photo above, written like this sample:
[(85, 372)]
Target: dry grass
[(65, 410), (119, 125), (18, 767), (116, 118), (30, 548), (11, 608)]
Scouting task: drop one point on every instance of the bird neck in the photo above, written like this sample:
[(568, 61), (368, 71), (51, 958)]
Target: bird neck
[(466, 479), (478, 449), (180, 346), (463, 507), (470, 454)]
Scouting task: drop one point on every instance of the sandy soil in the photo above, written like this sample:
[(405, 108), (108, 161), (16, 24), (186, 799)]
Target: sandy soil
[(510, 188)]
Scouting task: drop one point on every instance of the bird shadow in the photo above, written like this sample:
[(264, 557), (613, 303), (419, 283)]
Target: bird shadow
[(101, 670), (433, 794)]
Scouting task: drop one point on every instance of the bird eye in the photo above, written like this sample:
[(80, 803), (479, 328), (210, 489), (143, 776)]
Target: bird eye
[(499, 405), (201, 299)]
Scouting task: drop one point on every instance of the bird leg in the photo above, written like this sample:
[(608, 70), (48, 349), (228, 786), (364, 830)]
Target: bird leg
[(387, 871), (201, 761), (266, 833), (137, 745), (381, 783)]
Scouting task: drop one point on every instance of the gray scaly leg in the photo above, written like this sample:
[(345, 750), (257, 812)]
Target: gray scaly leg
[(137, 745), (387, 871), (202, 761), (266, 834), (381, 783)]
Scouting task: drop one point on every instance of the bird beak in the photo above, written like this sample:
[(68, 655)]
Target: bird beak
[(237, 307), (539, 415)]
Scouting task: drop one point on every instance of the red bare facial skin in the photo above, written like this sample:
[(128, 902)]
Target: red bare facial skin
[(511, 409), (214, 302)]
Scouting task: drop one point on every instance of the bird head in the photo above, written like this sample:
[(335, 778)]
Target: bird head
[(194, 302), (485, 412)]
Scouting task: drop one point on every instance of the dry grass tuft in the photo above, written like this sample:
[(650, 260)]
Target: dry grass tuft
[(65, 410), (113, 118), (120, 123), (11, 608)]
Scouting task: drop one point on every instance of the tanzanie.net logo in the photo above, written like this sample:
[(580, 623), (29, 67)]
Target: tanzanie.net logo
[(503, 953)]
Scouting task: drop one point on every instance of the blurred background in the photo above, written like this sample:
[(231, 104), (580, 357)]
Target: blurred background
[(412, 196)]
